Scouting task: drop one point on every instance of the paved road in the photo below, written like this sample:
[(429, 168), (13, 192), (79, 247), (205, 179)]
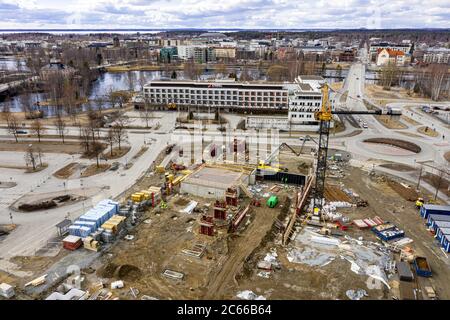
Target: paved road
[(36, 228)]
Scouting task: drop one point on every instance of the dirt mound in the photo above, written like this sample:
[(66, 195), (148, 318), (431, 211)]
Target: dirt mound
[(37, 206), (334, 193), (124, 272), (398, 167), (406, 193), (406, 145)]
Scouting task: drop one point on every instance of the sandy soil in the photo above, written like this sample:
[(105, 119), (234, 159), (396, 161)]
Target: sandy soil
[(66, 171), (93, 169), (397, 167), (116, 153)]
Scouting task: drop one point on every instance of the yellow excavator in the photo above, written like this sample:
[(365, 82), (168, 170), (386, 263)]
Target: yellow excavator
[(171, 106)]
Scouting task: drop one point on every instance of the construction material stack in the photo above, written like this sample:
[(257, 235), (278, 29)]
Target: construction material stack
[(152, 194), (114, 224), (388, 232), (6, 290), (91, 244), (89, 224), (72, 242)]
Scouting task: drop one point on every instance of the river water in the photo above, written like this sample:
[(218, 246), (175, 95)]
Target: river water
[(120, 81)]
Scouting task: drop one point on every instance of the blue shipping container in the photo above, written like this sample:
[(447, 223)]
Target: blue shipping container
[(428, 209)]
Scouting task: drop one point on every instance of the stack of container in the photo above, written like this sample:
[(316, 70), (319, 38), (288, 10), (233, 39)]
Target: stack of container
[(153, 194), (445, 242), (428, 209), (93, 219), (114, 224), (71, 242), (438, 219), (433, 218)]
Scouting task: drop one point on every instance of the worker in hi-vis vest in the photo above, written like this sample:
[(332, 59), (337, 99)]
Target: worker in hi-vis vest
[(419, 203)]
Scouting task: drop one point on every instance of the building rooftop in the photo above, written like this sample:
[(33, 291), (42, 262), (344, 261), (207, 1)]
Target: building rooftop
[(215, 177)]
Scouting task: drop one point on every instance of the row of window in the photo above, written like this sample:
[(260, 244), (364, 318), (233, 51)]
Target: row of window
[(294, 115), (305, 104), (307, 98), (217, 103), (257, 99), (209, 91)]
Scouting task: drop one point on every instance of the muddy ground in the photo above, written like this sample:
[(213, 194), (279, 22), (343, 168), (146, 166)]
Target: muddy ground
[(228, 264)]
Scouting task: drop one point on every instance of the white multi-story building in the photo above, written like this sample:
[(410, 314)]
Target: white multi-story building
[(226, 94), (305, 98), (437, 56), (185, 52), (298, 101)]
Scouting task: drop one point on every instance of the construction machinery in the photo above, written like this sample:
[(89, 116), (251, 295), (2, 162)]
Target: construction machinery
[(267, 163), (171, 106), (325, 116)]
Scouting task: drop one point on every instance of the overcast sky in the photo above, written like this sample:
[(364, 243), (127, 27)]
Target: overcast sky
[(309, 14)]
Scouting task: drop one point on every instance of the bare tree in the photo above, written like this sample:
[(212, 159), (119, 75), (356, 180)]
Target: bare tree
[(60, 125), (40, 154), (99, 103), (12, 123), (246, 75), (190, 70), (146, 112), (110, 137), (95, 123), (96, 151), (130, 79), (38, 128), (221, 69), (438, 72), (30, 157), (389, 75), (86, 138), (26, 103), (119, 129), (142, 81)]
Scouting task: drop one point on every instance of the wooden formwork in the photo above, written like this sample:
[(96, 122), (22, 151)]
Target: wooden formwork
[(302, 197)]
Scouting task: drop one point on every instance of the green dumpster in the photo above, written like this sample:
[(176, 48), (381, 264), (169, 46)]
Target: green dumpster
[(272, 202)]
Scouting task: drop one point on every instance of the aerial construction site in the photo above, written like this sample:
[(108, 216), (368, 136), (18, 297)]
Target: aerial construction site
[(179, 189)]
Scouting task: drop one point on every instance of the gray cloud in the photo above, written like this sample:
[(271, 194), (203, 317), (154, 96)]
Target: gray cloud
[(228, 14)]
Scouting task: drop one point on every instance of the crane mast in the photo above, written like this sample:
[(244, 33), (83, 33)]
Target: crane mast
[(325, 116)]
